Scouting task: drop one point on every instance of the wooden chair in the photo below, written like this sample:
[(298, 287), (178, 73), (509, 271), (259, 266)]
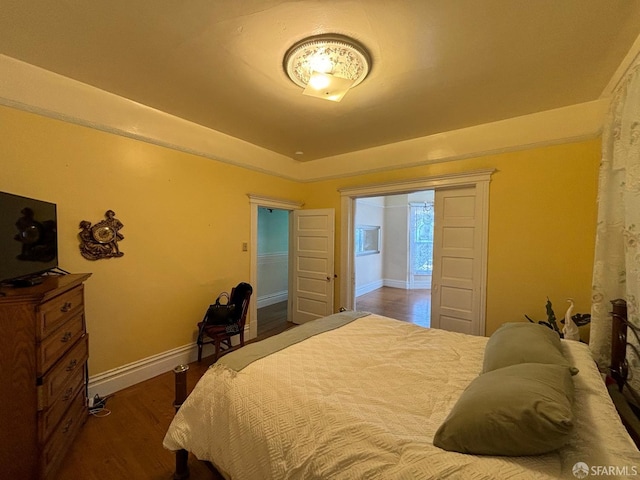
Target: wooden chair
[(220, 335)]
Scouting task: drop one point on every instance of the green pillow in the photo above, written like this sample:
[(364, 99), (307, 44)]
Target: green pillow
[(522, 342), (524, 409)]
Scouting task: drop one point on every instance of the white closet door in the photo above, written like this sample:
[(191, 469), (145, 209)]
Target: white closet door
[(457, 261), (312, 264)]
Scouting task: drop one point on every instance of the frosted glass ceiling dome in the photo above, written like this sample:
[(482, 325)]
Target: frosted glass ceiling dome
[(327, 65)]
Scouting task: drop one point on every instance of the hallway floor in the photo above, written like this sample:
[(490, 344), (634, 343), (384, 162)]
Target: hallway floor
[(409, 305)]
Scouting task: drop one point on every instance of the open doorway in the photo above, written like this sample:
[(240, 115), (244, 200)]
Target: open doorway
[(310, 258), (272, 270), (393, 252), (461, 221), (275, 204)]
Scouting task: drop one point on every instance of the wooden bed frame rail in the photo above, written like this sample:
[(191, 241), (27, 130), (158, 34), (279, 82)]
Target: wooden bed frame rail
[(619, 368), (182, 456), (625, 400)]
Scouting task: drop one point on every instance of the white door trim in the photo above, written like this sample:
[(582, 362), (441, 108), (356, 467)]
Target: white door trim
[(478, 178), (268, 202)]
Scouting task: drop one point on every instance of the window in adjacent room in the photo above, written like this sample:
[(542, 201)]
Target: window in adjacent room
[(421, 238)]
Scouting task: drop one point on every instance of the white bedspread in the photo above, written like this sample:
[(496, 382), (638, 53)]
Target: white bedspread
[(364, 402)]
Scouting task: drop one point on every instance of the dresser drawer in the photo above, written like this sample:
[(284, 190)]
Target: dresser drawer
[(56, 344), (54, 383), (49, 418), (57, 311), (54, 449)]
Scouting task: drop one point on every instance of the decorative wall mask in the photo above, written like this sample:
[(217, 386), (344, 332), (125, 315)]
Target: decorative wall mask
[(101, 240)]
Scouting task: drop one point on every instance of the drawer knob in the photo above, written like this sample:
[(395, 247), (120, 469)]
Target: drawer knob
[(72, 365), (67, 425), (67, 394), (66, 307), (66, 337)]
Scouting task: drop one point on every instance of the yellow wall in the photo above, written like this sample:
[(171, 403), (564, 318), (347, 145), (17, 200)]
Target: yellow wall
[(542, 219), (186, 217)]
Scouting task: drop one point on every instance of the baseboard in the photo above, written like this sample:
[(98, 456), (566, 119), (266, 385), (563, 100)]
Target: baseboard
[(396, 283), (369, 287), (125, 376), (272, 299)]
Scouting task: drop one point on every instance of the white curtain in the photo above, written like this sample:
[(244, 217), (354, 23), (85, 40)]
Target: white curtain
[(616, 271)]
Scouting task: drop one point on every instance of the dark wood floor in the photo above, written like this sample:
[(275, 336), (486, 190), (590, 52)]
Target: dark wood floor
[(409, 305), (127, 444), (272, 319)]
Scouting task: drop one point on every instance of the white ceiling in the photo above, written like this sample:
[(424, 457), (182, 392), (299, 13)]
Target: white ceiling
[(438, 65)]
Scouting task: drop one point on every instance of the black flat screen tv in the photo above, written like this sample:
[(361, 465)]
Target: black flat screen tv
[(28, 239)]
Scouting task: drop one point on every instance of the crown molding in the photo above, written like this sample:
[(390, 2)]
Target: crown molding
[(33, 89), (628, 61), (563, 125)]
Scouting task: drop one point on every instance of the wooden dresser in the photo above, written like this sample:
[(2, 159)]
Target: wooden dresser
[(43, 375)]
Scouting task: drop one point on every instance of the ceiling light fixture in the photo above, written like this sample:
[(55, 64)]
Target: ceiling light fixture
[(327, 66)]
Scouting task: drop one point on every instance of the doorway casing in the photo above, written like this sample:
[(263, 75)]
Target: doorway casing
[(257, 201), (478, 178)]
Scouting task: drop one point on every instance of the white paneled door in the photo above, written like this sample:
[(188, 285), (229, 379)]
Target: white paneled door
[(312, 264), (457, 261)]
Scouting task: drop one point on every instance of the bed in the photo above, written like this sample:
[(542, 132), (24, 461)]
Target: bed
[(362, 396)]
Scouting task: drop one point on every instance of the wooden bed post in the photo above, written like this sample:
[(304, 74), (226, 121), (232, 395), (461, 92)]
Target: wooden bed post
[(619, 342), (619, 369), (182, 456)]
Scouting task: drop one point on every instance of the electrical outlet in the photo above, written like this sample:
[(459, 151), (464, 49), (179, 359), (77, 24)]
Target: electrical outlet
[(245, 246)]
